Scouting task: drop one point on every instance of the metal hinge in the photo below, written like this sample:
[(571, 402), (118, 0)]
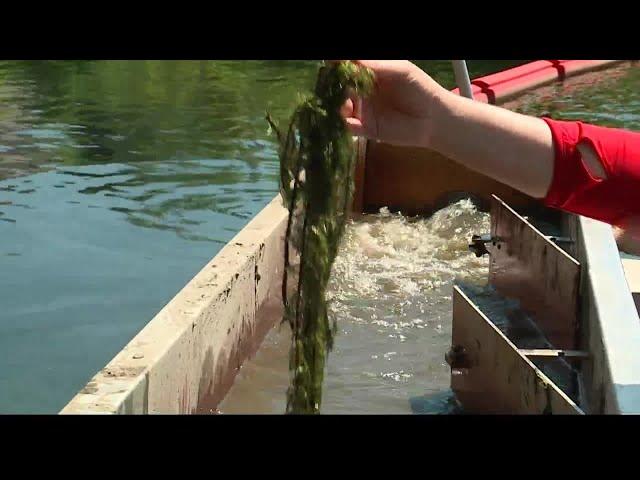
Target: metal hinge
[(478, 243), (557, 240)]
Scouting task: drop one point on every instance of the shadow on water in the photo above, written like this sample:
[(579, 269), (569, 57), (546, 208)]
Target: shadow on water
[(441, 403)]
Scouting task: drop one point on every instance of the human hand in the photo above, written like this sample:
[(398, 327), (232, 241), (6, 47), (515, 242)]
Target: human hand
[(401, 109)]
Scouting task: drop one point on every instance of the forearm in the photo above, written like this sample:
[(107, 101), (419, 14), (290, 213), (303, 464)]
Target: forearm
[(512, 148)]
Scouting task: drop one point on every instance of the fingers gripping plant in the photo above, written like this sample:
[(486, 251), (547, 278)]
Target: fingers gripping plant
[(317, 160)]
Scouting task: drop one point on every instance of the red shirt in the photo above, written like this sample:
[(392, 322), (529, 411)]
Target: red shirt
[(575, 190)]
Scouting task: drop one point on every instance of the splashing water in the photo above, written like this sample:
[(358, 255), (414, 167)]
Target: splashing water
[(388, 261), (390, 292)]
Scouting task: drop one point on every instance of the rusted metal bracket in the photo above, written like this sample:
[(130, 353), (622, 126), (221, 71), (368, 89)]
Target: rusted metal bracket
[(558, 240), (478, 243), (457, 357)]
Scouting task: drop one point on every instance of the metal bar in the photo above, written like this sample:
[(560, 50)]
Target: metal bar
[(555, 239), (462, 78), (550, 353)]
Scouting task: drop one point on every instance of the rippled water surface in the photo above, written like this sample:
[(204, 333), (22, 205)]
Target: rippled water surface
[(610, 98)]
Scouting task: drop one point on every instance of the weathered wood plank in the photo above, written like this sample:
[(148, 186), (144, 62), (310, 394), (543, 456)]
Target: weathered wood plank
[(527, 266), (491, 376)]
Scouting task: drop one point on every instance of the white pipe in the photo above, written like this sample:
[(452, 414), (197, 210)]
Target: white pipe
[(462, 78)]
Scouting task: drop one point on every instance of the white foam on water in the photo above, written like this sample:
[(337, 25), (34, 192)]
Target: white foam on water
[(390, 294), (390, 265)]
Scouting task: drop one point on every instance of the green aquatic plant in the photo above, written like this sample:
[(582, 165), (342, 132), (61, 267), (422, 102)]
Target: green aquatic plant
[(317, 160)]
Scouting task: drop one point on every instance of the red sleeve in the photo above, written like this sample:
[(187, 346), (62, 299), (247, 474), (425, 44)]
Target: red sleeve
[(573, 189)]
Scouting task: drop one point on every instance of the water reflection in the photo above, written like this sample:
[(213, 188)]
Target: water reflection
[(613, 101), (131, 112), (177, 125)]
